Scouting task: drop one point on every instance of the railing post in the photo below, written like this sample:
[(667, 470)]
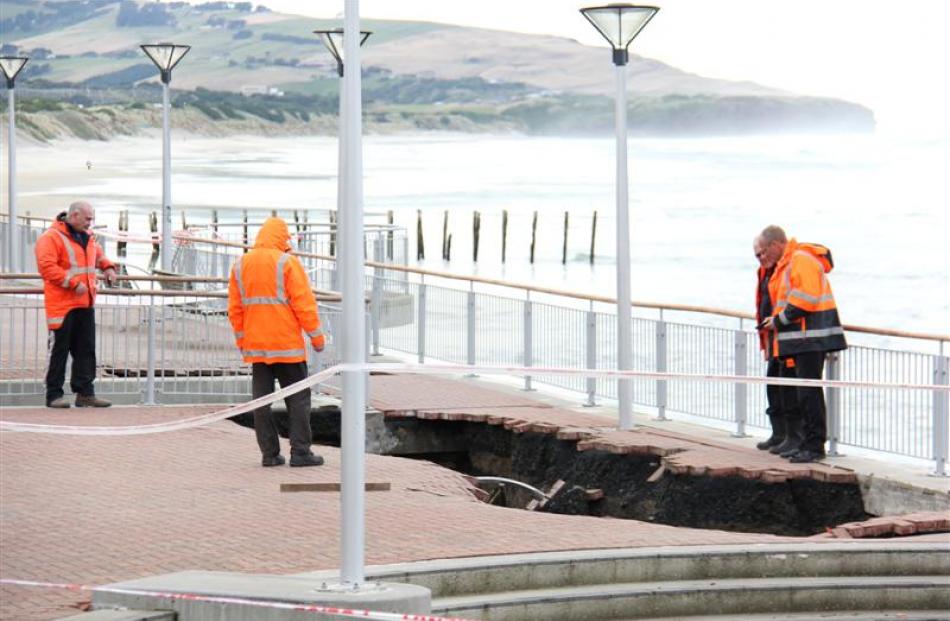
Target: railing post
[(376, 296), (591, 355), (470, 324), (941, 416), (833, 372), (421, 323), (661, 367), (528, 339), (741, 368), (150, 364)]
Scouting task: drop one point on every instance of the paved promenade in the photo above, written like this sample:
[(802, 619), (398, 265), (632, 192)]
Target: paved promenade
[(94, 509)]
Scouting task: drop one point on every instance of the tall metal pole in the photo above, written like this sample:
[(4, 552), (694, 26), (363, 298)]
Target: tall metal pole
[(166, 183), (12, 238), (624, 321), (354, 398), (340, 201)]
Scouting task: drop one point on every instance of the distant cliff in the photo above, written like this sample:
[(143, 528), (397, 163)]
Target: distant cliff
[(222, 114), (417, 75)]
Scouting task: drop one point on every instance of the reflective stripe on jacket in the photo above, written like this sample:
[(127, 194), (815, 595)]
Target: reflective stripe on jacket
[(64, 265), (270, 301), (805, 312)]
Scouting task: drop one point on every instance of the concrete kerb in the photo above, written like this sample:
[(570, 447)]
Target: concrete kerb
[(726, 597), (543, 578), (257, 597), (550, 570)]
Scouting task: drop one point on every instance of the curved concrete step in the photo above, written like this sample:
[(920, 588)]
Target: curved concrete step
[(696, 597), (522, 572)]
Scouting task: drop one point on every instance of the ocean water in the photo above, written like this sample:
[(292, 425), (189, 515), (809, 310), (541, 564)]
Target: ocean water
[(879, 202)]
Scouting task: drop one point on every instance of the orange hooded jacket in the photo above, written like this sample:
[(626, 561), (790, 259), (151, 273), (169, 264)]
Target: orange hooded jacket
[(270, 301), (806, 316), (64, 265)]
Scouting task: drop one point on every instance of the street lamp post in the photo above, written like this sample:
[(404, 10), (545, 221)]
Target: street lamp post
[(333, 40), (166, 56), (620, 24), (11, 66), (344, 45)]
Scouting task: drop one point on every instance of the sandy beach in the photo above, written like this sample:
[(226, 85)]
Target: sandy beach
[(50, 175)]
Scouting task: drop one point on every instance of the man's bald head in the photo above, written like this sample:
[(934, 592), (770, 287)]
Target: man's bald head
[(80, 216)]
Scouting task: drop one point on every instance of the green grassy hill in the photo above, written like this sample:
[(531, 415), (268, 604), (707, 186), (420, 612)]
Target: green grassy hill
[(419, 74)]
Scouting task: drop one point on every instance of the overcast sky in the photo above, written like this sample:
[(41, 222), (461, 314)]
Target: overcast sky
[(890, 56)]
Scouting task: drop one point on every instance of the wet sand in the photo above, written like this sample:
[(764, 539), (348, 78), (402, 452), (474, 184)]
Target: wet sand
[(49, 175)]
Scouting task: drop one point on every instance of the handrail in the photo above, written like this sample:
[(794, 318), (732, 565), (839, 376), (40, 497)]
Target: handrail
[(568, 294), (321, 296)]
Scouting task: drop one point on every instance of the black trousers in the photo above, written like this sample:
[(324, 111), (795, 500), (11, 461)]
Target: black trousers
[(783, 400), (76, 338), (811, 365), (298, 407)]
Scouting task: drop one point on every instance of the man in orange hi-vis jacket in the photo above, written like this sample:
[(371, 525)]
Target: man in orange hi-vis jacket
[(782, 400), (270, 304), (67, 256), (806, 328)]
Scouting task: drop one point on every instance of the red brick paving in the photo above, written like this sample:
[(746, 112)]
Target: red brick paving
[(895, 525), (93, 509)]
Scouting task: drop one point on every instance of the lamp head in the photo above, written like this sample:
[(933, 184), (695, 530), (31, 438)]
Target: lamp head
[(333, 40), (165, 56), (619, 24), (11, 66)]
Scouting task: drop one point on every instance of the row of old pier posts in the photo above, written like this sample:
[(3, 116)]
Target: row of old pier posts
[(476, 236)]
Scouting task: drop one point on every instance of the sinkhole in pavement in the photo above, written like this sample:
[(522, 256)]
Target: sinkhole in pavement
[(599, 483)]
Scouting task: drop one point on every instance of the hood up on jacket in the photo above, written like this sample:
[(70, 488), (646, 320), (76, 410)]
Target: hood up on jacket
[(274, 234), (822, 253)]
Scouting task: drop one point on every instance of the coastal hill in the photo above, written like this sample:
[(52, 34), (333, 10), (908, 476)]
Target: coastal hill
[(251, 67)]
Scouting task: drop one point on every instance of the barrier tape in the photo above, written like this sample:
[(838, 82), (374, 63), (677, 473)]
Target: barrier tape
[(214, 599), (187, 423), (430, 369)]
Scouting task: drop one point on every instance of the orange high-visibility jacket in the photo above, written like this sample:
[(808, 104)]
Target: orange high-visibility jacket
[(806, 316), (270, 301), (64, 265)]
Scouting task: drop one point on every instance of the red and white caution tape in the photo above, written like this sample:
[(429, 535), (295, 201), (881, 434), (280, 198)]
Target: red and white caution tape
[(178, 425), (442, 369), (214, 599)]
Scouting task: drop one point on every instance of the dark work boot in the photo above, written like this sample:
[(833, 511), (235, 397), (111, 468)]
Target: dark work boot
[(793, 439), (276, 460), (778, 433), (806, 456), (306, 459)]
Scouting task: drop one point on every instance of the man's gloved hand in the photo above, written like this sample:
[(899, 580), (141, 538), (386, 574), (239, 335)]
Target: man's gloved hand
[(110, 275), (82, 289)]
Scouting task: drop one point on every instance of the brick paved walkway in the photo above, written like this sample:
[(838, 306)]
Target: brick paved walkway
[(93, 510)]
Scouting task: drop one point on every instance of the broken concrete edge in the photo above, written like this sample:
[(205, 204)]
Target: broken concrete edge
[(917, 523), (261, 597), (887, 496), (594, 440)]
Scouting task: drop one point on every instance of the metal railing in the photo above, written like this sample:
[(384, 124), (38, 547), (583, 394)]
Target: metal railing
[(469, 320), (454, 323), (152, 346)]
